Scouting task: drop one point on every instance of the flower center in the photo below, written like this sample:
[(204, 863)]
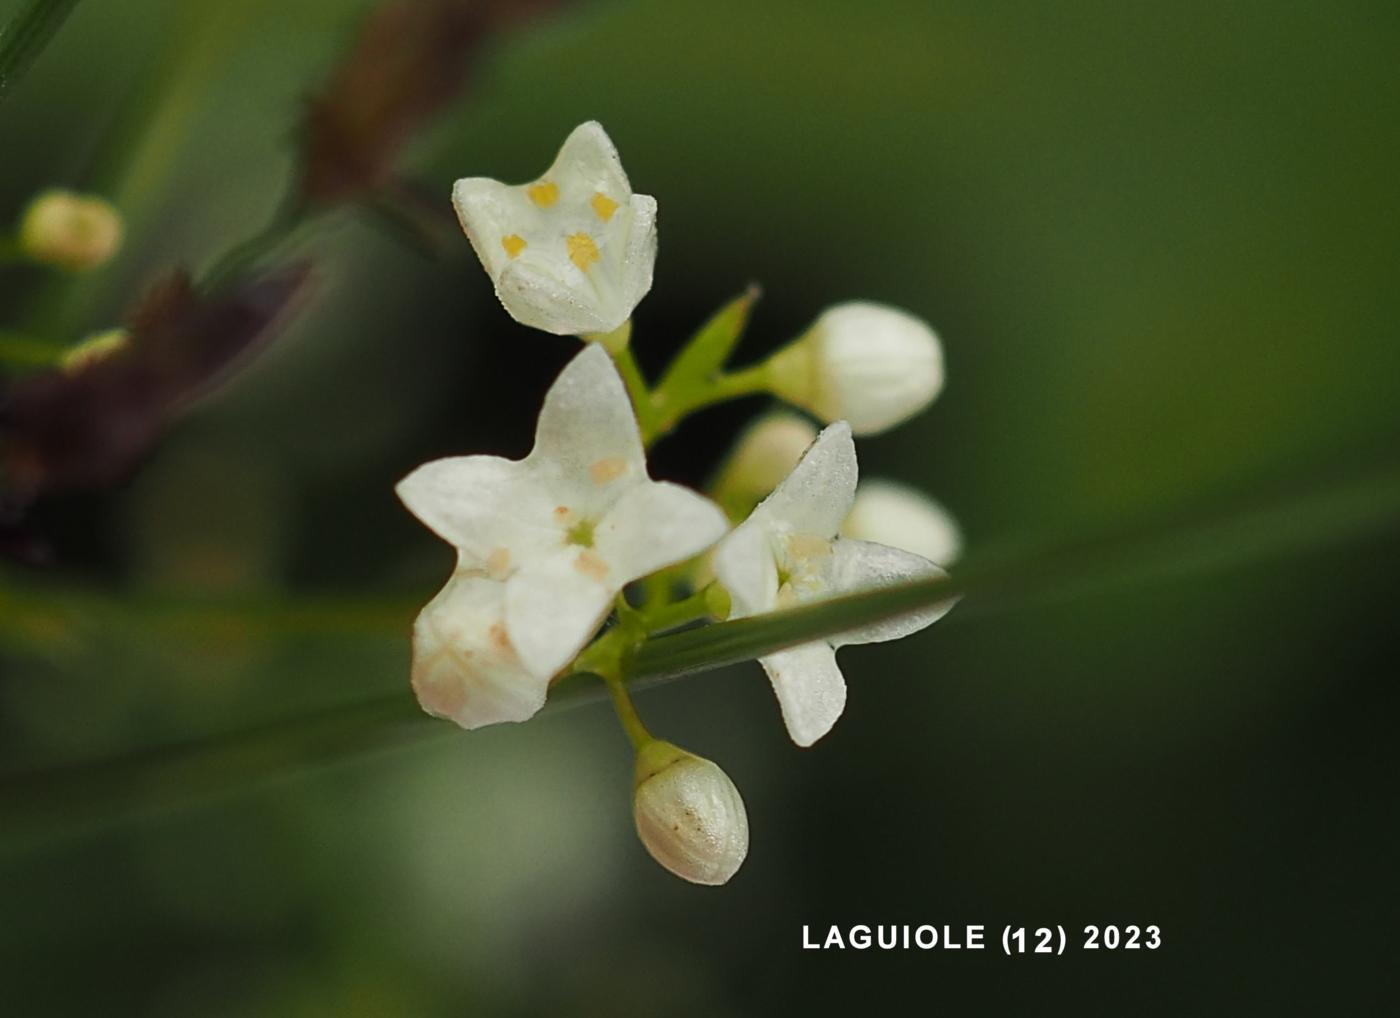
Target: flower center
[(801, 561), (581, 533)]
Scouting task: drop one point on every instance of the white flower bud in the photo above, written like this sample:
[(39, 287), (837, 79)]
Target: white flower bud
[(689, 815), (73, 231), (901, 517), (763, 457), (871, 365)]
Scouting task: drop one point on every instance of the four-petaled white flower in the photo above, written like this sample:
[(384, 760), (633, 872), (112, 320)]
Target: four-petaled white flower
[(544, 546), (571, 253), (788, 553)]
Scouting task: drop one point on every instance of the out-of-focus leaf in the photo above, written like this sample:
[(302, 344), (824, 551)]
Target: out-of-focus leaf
[(411, 58), (87, 428), (25, 37)]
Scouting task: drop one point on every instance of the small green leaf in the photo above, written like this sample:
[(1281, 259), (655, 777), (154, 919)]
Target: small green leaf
[(709, 348)]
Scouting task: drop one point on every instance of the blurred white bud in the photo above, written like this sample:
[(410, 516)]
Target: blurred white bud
[(902, 517), (72, 231), (689, 815), (871, 365), (763, 457), (93, 350)]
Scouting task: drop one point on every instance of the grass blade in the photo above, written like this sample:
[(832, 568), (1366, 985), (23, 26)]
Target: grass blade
[(1342, 504), (24, 38)]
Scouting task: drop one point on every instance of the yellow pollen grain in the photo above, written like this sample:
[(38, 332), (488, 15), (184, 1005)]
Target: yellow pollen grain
[(582, 251), (544, 194), (603, 206), (609, 469), (513, 243), (590, 565)]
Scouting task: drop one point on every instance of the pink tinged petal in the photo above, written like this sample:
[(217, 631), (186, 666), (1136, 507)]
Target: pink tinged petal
[(480, 504), (465, 667), (553, 606), (817, 495), (863, 565), (744, 564), (587, 431), (810, 689), (654, 525)]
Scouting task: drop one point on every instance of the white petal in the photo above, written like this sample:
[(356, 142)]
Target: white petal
[(744, 564), (481, 504), (554, 606), (587, 436), (539, 297), (488, 211), (817, 495), (810, 688), (654, 525), (464, 665), (862, 565), (638, 258), (588, 162)]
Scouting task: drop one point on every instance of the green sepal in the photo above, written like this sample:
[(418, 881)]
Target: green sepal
[(709, 348)]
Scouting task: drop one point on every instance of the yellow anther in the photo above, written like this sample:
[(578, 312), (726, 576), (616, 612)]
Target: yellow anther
[(513, 243), (591, 565), (498, 564), (582, 251), (608, 469), (544, 194), (603, 205)]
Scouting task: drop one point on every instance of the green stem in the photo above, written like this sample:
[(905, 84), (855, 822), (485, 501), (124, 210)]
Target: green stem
[(24, 38), (673, 406), (676, 613), (626, 710), (638, 390)]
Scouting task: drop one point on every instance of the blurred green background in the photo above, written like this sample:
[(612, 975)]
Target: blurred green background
[(1160, 243)]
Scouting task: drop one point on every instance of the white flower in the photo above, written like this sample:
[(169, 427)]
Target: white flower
[(572, 252), (903, 517), (73, 231), (871, 365), (689, 815), (548, 542), (787, 553)]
